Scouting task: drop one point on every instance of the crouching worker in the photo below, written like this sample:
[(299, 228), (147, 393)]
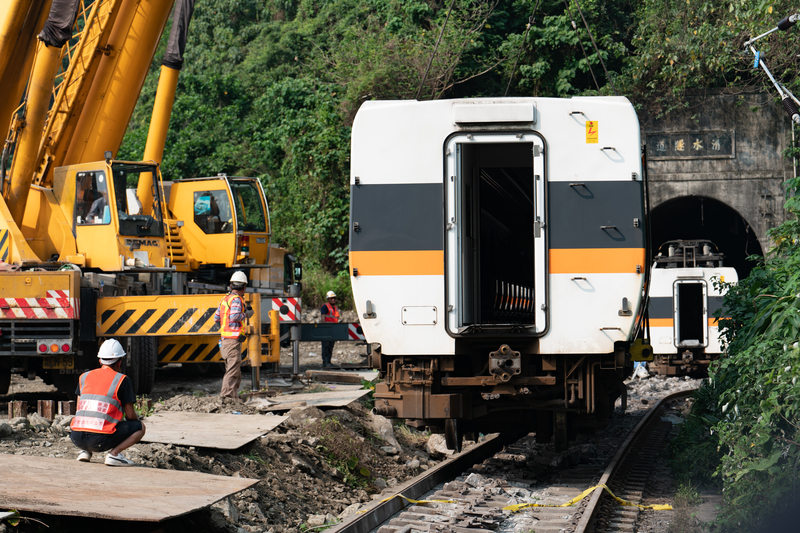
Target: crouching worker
[(104, 397)]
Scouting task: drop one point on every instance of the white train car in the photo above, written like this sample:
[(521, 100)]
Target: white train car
[(497, 254), (683, 299)]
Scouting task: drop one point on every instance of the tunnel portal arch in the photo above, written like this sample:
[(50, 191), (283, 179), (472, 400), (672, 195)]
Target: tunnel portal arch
[(699, 217)]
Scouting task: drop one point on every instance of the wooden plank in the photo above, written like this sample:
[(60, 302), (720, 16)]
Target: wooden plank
[(67, 487), (208, 430), (285, 402), (342, 376)]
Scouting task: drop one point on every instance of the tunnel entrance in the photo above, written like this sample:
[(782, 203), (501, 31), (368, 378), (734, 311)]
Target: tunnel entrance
[(693, 217)]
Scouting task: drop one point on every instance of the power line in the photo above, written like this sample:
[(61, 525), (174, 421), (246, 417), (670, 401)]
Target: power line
[(531, 21), (435, 48), (575, 27), (595, 47)]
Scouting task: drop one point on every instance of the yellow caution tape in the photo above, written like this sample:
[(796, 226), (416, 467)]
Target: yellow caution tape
[(582, 495), (410, 500)]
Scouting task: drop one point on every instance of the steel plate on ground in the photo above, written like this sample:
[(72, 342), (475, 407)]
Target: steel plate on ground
[(208, 430), (285, 402), (69, 488)]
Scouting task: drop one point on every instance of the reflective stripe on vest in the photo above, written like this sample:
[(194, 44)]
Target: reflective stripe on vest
[(99, 409), (227, 329), (333, 313)]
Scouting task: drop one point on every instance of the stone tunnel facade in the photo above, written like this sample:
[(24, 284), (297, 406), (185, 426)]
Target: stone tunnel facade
[(727, 148)]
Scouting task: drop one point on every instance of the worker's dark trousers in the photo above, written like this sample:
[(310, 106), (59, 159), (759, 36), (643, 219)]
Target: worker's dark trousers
[(327, 351)]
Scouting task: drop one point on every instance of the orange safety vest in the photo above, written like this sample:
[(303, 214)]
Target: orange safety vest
[(99, 409), (333, 313), (227, 328)]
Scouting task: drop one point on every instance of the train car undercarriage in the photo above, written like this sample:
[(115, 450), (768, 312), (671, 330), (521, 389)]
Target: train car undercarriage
[(502, 390)]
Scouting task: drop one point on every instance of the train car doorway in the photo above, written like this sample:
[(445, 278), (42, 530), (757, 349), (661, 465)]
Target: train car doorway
[(495, 187), (691, 314)]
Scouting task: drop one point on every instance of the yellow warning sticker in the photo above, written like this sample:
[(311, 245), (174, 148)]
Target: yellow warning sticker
[(592, 132)]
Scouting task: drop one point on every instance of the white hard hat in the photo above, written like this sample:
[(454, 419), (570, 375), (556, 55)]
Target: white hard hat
[(239, 277), (110, 351), (330, 294)]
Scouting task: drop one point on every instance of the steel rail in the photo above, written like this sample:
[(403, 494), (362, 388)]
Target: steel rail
[(380, 511), (597, 495)]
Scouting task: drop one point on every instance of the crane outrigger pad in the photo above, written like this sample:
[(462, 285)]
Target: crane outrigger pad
[(70, 488), (208, 430)]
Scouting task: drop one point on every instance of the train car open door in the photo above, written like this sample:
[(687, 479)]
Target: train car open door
[(691, 313), (495, 239)]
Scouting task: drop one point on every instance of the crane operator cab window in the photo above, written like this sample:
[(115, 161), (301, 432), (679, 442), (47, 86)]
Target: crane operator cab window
[(212, 212), (92, 199), (148, 223), (248, 205)]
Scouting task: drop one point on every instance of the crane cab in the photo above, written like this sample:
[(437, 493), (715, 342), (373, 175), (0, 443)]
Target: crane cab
[(223, 220), (111, 233)]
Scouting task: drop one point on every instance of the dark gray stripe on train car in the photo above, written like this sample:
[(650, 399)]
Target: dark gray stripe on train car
[(397, 217), (661, 307), (577, 213), (714, 303)]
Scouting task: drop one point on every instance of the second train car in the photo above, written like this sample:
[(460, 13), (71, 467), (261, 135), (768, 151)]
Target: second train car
[(497, 255), (685, 293)]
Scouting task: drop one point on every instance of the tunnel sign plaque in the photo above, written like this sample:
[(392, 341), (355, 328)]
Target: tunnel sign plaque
[(691, 145)]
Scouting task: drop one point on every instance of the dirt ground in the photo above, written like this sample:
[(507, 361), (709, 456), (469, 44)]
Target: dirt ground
[(318, 467)]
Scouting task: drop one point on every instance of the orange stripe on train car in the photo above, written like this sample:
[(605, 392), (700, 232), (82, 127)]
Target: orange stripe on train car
[(661, 323), (596, 260), (398, 263), (668, 323)]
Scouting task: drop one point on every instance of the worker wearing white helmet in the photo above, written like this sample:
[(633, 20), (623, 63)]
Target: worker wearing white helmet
[(231, 315), (105, 396), (329, 313)]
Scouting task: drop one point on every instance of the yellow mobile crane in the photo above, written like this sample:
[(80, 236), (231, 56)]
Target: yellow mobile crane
[(81, 259)]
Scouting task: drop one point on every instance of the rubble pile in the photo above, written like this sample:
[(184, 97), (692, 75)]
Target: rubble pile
[(317, 467)]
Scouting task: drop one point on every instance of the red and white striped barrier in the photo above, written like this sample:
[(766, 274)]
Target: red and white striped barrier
[(291, 306), (355, 333), (58, 304)]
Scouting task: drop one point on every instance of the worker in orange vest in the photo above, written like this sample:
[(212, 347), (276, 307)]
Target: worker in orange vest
[(105, 396), (330, 313), (231, 314)]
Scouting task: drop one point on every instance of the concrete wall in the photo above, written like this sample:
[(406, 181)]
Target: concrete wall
[(725, 147)]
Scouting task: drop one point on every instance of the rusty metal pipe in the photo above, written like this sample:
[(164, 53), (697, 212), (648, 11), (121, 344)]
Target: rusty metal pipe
[(384, 410)]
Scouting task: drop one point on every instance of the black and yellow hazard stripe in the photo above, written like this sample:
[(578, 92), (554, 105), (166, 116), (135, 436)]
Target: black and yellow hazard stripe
[(157, 315), (5, 241), (203, 349)]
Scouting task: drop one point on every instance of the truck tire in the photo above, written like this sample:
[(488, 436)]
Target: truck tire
[(65, 383), (144, 351), (5, 379)]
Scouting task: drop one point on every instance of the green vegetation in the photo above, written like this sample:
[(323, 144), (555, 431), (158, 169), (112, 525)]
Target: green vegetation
[(744, 427), (143, 406), (344, 451)]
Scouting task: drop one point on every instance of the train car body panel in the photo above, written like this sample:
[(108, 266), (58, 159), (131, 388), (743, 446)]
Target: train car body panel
[(684, 296), (489, 236)]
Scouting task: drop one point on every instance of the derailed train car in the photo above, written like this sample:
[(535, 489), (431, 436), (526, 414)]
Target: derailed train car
[(497, 254), (684, 296)]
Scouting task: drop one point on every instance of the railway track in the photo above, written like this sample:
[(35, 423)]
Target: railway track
[(504, 485)]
